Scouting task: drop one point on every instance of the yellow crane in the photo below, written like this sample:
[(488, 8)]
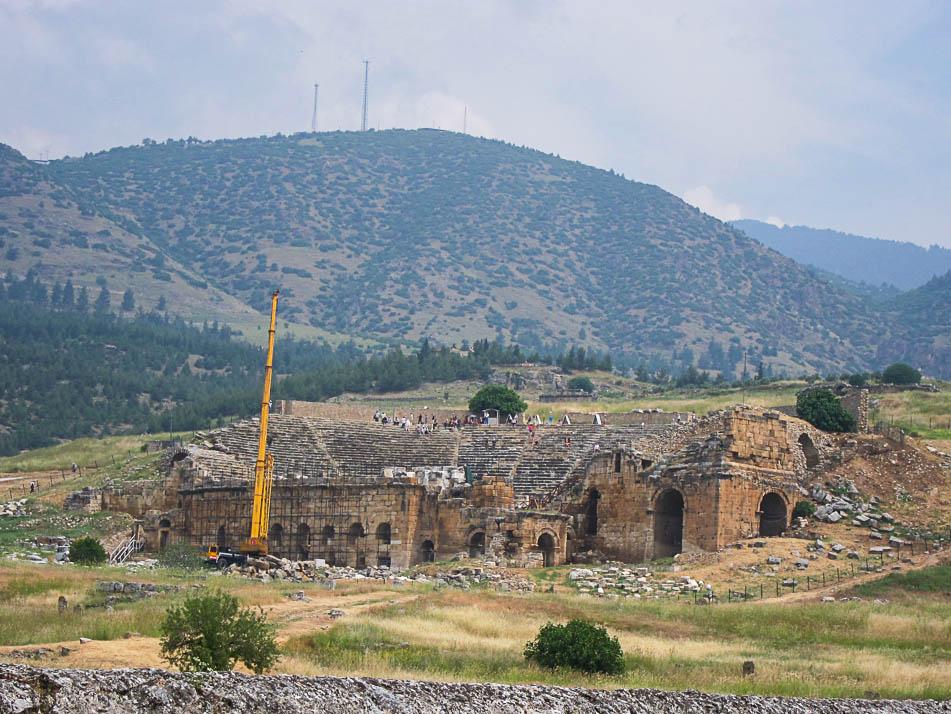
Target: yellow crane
[(256, 544)]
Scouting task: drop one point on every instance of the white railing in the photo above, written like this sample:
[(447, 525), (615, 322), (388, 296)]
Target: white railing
[(124, 550)]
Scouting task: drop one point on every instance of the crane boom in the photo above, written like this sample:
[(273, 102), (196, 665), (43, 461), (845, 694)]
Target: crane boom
[(264, 466)]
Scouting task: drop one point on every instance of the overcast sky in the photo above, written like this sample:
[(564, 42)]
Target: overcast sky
[(824, 114)]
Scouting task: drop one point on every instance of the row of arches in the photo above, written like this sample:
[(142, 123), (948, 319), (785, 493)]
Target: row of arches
[(301, 546), (546, 545), (668, 526)]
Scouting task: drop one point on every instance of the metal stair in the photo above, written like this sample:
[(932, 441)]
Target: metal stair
[(125, 549)]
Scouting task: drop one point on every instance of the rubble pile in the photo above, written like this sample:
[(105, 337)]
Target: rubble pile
[(31, 689), (269, 569), (623, 581), (13, 508)]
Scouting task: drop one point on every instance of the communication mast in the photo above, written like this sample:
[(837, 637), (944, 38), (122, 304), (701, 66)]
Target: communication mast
[(366, 78), (313, 118)]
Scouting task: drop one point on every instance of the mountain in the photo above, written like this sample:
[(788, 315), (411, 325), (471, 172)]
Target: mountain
[(397, 235), (47, 226), (864, 260), (923, 327)]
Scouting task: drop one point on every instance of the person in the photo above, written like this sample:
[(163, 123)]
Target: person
[(32, 486), (376, 415)]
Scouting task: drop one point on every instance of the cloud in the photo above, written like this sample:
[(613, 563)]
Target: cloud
[(776, 221), (703, 198)]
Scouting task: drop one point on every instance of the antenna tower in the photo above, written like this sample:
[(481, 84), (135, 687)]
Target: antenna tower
[(313, 118), (366, 78)]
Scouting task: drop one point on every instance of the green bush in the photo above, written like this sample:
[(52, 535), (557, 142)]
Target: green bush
[(497, 396), (182, 556), (804, 509), (87, 551), (901, 373), (823, 410), (583, 383), (209, 632), (858, 379), (576, 645)]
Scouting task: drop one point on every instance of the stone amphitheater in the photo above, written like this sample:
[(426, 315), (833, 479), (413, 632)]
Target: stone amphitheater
[(359, 493)]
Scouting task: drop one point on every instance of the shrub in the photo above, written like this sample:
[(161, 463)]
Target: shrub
[(858, 379), (497, 396), (180, 555), (804, 509), (823, 410), (576, 645), (901, 373), (209, 632), (583, 383), (87, 551)]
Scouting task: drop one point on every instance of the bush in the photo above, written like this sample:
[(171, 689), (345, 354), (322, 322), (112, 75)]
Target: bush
[(804, 509), (901, 373), (583, 383), (210, 632), (823, 410), (87, 551), (180, 555), (497, 396), (858, 379), (576, 645)]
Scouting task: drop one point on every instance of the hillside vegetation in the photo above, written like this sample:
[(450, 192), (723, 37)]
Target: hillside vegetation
[(405, 234)]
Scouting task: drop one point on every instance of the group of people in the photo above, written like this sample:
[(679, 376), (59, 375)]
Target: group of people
[(422, 424)]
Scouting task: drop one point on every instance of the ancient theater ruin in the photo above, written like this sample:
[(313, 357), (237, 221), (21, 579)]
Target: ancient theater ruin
[(359, 493)]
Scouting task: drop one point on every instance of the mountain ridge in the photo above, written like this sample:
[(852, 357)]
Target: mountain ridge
[(399, 235), (875, 261)]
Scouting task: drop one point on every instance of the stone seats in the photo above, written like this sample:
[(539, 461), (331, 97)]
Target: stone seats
[(365, 449), (491, 450)]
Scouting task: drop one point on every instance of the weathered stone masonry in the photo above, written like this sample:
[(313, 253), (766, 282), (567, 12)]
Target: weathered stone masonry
[(358, 494)]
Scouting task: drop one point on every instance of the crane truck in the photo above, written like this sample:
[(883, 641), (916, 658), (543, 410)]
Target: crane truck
[(256, 543)]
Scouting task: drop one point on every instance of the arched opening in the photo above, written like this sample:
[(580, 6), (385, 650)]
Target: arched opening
[(772, 515), (569, 547), (546, 544), (591, 513), (303, 541), (427, 551), (327, 534), (809, 450), (617, 462), (275, 537), (383, 533), (164, 529), (355, 533), (669, 524), (477, 544), (222, 541)]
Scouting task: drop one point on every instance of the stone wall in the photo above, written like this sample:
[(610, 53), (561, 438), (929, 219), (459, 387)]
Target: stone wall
[(32, 689)]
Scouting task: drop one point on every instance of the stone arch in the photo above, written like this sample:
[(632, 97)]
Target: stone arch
[(591, 512), (275, 537), (668, 523), (772, 515), (165, 528), (384, 533), (355, 533), (327, 535), (569, 545), (477, 544), (427, 551), (809, 450), (617, 462), (546, 544), (303, 541), (222, 536)]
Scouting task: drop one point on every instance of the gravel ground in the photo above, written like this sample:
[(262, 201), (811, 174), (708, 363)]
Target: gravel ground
[(31, 689)]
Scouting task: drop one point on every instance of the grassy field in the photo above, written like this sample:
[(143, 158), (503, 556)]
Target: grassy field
[(897, 649), (841, 649), (924, 413), (88, 453)]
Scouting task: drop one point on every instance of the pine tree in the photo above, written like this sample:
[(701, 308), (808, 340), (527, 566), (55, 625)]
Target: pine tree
[(102, 302), (82, 304), (128, 301), (68, 297)]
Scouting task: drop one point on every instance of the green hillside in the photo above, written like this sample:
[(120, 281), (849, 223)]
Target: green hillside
[(405, 234)]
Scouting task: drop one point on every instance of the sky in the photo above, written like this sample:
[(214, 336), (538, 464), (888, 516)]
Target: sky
[(833, 115)]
